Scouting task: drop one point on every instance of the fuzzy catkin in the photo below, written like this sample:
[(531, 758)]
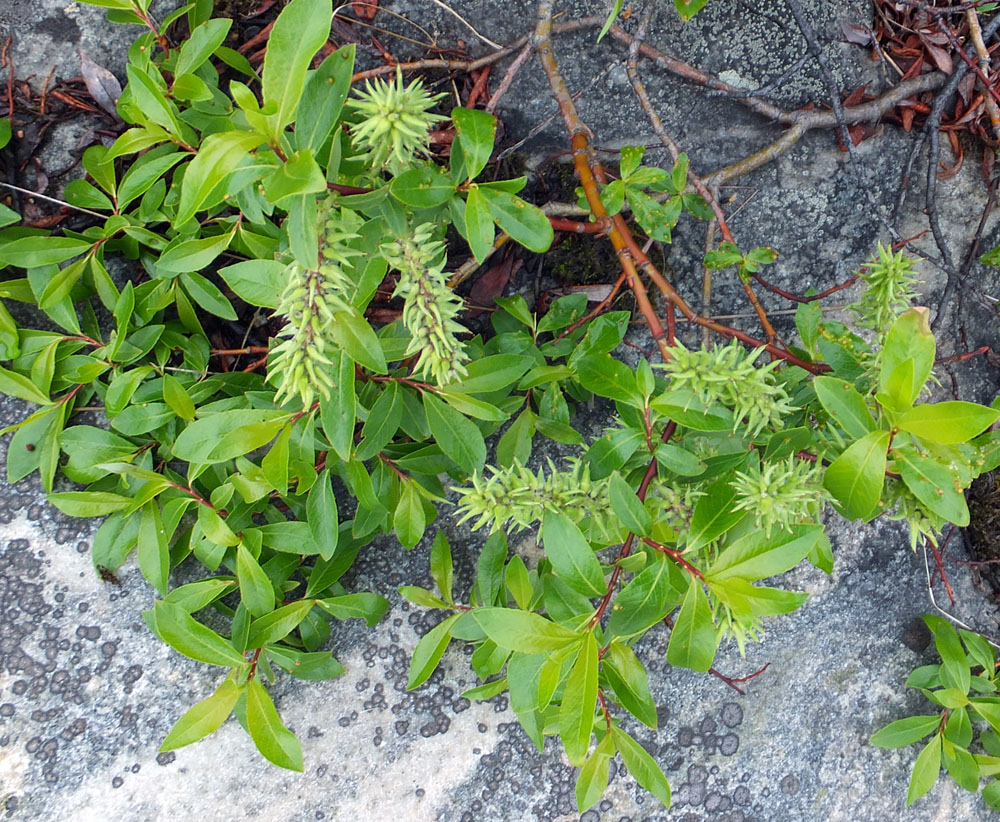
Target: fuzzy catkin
[(313, 300), (429, 307)]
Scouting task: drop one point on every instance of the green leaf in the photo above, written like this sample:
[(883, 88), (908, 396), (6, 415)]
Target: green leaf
[(409, 520), (382, 423), (478, 223), (256, 590), (713, 515), (458, 438), (207, 295), (686, 409), (845, 405), (563, 605), (122, 388), (910, 338), (693, 639), (429, 651), (357, 338), (299, 32), (989, 711), (646, 600), (258, 282), (274, 466), (322, 515), (421, 596), (278, 744), (517, 308), (980, 651), (441, 565), (576, 714), (856, 477), (9, 344), (228, 434), (422, 187), (756, 556), (83, 195), (192, 255), (592, 781), (627, 507), (15, 385), (278, 624), (724, 256), (688, 9), (136, 139), (925, 770), (679, 460), (471, 406), (613, 196), (315, 667), (612, 16), (515, 444), (961, 766), (958, 729), (299, 174), (493, 373), (518, 582), (608, 378), (906, 731), (154, 553), (630, 683), (524, 223), (524, 632), (177, 397), (991, 795), (89, 503), (150, 100), (489, 570), (955, 665), (204, 717), (35, 252), (183, 633), (642, 766), (303, 230), (220, 153), (338, 411), (476, 132), (323, 99), (571, 556), (948, 422), (933, 483), (197, 595), (201, 43), (369, 607), (143, 174)]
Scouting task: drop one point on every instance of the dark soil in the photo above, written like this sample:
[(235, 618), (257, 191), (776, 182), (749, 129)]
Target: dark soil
[(984, 528)]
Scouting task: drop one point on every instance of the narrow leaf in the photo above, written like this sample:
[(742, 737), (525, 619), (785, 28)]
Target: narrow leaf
[(278, 744), (693, 639)]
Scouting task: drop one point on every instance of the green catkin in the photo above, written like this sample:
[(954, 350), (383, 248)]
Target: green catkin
[(312, 300), (396, 121), (430, 306)]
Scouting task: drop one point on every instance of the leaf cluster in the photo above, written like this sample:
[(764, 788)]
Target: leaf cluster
[(232, 194), (964, 733)]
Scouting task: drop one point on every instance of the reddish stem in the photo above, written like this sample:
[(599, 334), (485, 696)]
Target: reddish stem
[(676, 556)]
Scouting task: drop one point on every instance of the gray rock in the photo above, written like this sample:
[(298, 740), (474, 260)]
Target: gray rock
[(87, 694)]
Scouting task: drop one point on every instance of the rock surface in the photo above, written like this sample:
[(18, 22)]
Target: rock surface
[(87, 694)]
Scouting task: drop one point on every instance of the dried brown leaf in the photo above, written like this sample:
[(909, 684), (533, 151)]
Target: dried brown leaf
[(965, 86), (940, 57), (859, 35), (102, 85)]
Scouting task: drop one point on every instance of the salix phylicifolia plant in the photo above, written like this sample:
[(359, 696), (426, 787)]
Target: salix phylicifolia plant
[(711, 478)]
